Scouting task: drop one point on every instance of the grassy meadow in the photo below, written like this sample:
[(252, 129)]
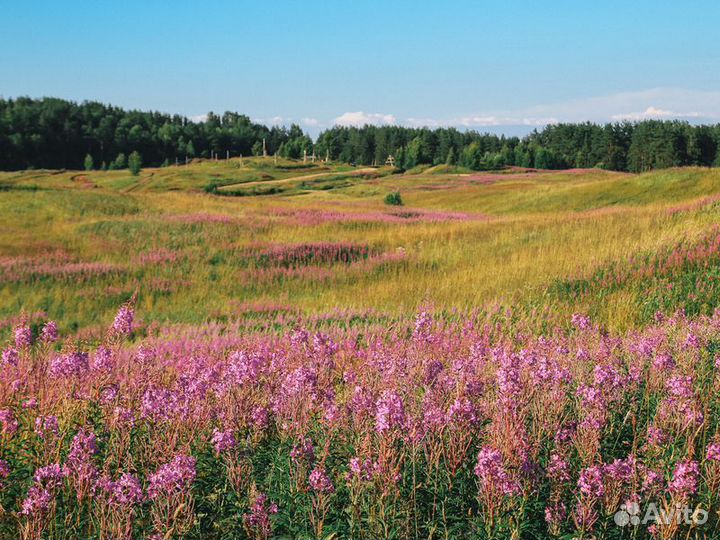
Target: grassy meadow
[(267, 350), (204, 241)]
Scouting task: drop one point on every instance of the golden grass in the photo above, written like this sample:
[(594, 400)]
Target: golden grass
[(538, 227)]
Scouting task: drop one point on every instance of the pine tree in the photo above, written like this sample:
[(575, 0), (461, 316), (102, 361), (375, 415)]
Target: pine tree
[(89, 163)]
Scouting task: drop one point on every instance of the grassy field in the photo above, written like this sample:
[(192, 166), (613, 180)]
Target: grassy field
[(265, 350), (223, 239)]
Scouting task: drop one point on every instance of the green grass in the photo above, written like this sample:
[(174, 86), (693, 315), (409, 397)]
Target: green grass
[(527, 233)]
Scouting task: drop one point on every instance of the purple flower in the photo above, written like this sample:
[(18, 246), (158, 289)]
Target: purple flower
[(51, 476), (258, 518), (558, 469), (223, 440), (581, 321), (23, 336), (303, 451), (10, 357), (30, 403), (653, 481), (37, 502), (621, 470), (320, 481), (664, 362), (9, 424), (680, 387), (174, 477), (46, 425), (390, 412), (259, 417), (69, 364), (49, 332), (360, 469), (556, 513), (491, 472), (591, 482), (685, 478), (713, 452), (102, 360), (125, 492), (463, 412), (123, 323)]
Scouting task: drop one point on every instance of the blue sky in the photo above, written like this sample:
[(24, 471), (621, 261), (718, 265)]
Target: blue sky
[(499, 66)]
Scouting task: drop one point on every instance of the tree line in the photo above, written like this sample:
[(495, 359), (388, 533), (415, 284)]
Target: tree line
[(58, 134)]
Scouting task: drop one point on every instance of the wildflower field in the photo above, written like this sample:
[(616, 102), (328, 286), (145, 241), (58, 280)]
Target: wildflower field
[(256, 350)]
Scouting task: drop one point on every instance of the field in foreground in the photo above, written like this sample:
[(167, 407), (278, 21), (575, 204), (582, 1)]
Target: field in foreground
[(431, 430), (273, 371)]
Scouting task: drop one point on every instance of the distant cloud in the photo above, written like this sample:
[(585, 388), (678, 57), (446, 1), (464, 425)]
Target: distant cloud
[(310, 121), (423, 122), (198, 118), (272, 121), (655, 113), (660, 103), (361, 119)]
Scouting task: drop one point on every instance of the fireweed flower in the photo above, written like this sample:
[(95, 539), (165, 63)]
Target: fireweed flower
[(558, 469), (653, 482), (37, 502), (23, 336), (174, 477), (663, 362), (581, 321), (50, 476), (591, 482), (125, 492), (680, 387), (713, 452), (260, 418), (30, 403), (10, 358), (390, 412), (102, 360), (685, 478), (46, 426), (423, 331), (491, 472), (223, 440), (303, 451), (320, 482), (123, 323), (9, 423), (49, 332), (556, 513), (69, 364), (258, 518)]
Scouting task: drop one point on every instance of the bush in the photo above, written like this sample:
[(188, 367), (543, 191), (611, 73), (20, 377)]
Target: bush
[(134, 163), (394, 199)]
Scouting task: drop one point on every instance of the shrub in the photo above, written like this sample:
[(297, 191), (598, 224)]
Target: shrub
[(134, 163), (394, 199)]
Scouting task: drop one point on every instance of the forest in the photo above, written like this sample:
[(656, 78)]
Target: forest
[(51, 133)]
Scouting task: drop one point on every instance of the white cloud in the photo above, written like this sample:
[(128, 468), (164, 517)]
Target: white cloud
[(655, 113), (660, 103), (198, 118), (272, 121), (422, 122), (310, 121), (361, 119)]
